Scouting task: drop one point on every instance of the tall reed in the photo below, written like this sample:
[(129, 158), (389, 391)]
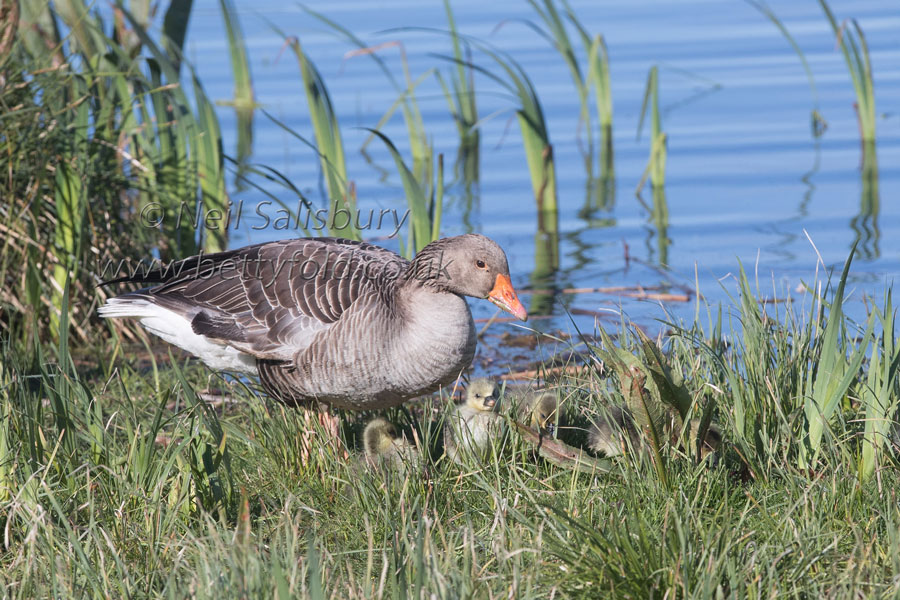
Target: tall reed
[(425, 205), (420, 147), (558, 37), (406, 99), (817, 121), (865, 223), (659, 215), (656, 165), (856, 54), (598, 77), (462, 103), (243, 101), (600, 192), (329, 143), (533, 128), (853, 46), (541, 166)]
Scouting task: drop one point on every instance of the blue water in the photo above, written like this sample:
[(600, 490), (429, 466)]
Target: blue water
[(746, 181)]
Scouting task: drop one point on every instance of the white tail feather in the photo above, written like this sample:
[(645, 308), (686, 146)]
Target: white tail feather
[(176, 329)]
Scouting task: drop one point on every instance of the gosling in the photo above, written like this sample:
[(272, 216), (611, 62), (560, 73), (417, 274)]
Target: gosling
[(712, 441), (539, 411), (384, 446), (613, 433), (472, 424)]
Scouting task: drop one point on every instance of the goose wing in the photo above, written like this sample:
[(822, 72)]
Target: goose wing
[(271, 300)]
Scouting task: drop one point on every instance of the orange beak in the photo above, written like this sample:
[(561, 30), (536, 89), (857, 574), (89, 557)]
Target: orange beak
[(504, 296)]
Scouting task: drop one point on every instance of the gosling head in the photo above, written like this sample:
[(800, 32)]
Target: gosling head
[(543, 413), (482, 395), (379, 437)]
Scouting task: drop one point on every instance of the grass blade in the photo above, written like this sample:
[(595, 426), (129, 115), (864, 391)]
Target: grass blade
[(175, 26), (421, 226)]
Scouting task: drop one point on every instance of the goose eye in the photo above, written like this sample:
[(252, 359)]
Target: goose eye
[(480, 264)]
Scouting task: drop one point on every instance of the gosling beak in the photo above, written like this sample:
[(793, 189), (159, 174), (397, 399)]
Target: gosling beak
[(504, 296), (490, 402), (551, 429)]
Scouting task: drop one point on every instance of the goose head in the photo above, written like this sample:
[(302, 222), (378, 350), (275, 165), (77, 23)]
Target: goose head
[(469, 265), (482, 395)]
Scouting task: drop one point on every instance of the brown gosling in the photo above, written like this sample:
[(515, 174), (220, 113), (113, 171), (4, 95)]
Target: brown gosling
[(471, 425), (712, 441), (613, 433), (384, 446), (610, 433)]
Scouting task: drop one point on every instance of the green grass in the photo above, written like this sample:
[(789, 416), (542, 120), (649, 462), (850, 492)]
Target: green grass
[(118, 480)]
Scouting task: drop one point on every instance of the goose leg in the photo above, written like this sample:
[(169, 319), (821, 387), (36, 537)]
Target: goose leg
[(331, 423), (330, 426)]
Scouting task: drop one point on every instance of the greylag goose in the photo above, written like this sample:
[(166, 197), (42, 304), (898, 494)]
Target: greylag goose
[(471, 425), (327, 320), (384, 446)]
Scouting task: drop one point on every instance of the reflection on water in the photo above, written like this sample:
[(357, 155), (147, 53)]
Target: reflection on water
[(546, 264), (600, 192), (546, 246), (467, 173), (659, 218), (865, 224)]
